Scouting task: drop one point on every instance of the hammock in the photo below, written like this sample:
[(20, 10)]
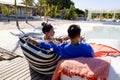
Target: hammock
[(41, 60)]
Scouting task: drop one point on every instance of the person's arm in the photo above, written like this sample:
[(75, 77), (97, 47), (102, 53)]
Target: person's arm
[(90, 51), (62, 40), (58, 49), (32, 41), (49, 46)]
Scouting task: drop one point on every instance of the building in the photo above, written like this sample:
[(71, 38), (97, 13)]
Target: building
[(21, 9), (101, 11)]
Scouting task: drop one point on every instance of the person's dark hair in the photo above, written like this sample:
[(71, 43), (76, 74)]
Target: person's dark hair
[(46, 27), (73, 31)]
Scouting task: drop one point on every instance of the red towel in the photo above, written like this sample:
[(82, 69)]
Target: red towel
[(103, 50), (90, 68)]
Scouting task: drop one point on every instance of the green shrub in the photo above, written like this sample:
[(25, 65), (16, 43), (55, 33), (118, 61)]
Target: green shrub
[(54, 12), (70, 13), (6, 10)]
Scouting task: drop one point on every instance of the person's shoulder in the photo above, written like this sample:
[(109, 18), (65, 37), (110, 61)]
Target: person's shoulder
[(88, 49), (86, 45), (66, 44)]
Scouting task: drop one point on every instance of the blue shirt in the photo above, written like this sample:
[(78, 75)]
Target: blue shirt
[(68, 50)]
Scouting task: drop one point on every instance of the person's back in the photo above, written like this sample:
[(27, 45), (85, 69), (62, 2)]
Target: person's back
[(69, 50), (74, 48)]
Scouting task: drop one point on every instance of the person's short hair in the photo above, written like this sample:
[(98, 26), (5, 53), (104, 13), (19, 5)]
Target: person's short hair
[(46, 27), (73, 31)]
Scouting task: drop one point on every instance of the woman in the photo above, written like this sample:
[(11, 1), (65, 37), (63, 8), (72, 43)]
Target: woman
[(48, 37), (48, 31)]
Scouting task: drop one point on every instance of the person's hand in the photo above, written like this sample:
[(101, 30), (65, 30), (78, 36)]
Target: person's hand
[(83, 39), (66, 38), (29, 39), (60, 39), (63, 40)]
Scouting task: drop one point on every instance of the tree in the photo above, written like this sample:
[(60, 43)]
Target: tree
[(27, 3), (70, 13), (16, 14), (111, 15), (44, 8), (60, 3), (78, 11), (40, 6), (86, 13), (104, 15), (117, 16), (53, 7), (47, 11), (54, 11), (6, 11), (95, 15)]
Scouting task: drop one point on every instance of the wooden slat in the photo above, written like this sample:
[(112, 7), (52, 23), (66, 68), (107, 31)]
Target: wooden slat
[(39, 77), (9, 63), (18, 74), (33, 76), (27, 75), (18, 69), (3, 63), (13, 71), (23, 75), (7, 69)]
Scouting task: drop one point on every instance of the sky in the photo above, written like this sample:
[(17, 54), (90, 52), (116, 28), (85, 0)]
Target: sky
[(91, 4), (97, 4)]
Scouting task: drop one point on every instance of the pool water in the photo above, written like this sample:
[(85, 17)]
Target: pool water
[(90, 31), (103, 33)]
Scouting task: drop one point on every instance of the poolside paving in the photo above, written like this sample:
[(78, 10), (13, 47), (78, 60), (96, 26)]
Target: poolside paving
[(10, 42)]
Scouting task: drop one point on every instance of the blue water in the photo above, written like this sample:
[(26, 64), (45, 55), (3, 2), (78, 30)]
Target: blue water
[(103, 33)]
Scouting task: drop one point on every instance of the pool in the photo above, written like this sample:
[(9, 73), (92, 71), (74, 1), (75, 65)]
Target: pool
[(90, 31), (103, 32)]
